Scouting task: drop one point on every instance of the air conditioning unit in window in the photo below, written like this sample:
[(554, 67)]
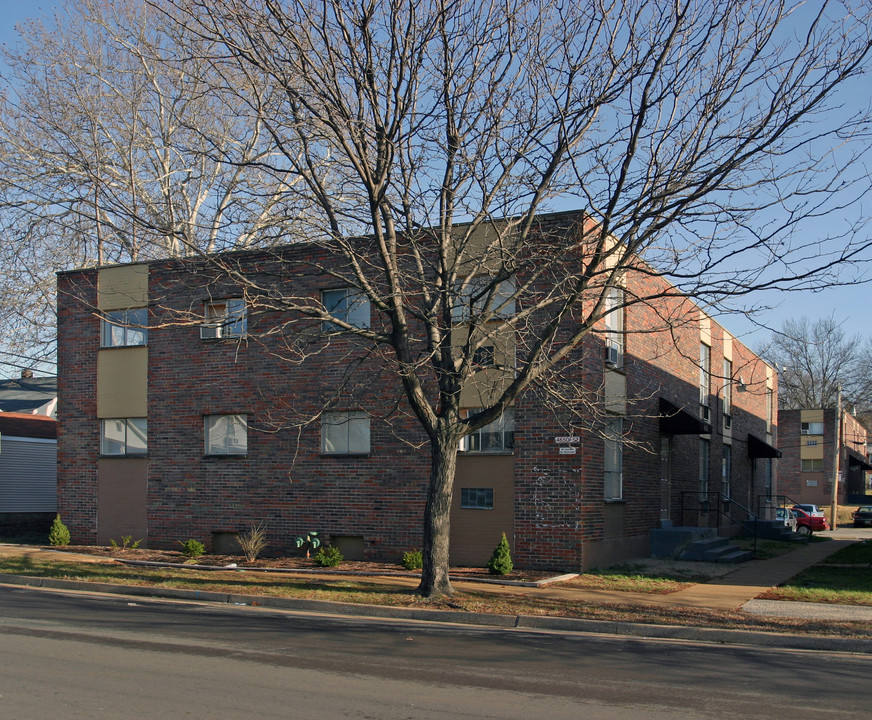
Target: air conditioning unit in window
[(612, 355), (210, 331)]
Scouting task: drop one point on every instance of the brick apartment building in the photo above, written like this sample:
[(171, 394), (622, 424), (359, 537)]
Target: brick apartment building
[(180, 417), (806, 471)]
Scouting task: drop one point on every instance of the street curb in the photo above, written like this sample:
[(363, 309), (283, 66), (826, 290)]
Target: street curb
[(521, 622)]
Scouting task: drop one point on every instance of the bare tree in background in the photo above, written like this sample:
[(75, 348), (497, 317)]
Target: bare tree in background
[(815, 359), (699, 136), (115, 146)]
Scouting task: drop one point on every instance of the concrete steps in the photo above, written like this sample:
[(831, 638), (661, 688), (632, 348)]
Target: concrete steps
[(693, 543), (715, 549)]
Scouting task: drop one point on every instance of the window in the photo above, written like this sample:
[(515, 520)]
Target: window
[(813, 465), (226, 434), (812, 428), (346, 304), (345, 433), (483, 357), (705, 359), (726, 470), (498, 436), (613, 462), (728, 392), (614, 320), (473, 299), (124, 328), (224, 319), (123, 436), (477, 498), (767, 477), (811, 443), (703, 469)]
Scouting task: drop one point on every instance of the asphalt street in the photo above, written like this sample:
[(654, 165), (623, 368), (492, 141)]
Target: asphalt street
[(90, 656)]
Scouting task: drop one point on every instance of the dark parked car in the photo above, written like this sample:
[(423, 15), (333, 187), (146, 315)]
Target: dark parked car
[(862, 516), (806, 523)]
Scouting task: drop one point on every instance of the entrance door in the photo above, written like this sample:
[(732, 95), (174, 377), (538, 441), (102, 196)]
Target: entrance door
[(665, 477)]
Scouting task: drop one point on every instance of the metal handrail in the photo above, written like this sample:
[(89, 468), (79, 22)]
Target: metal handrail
[(722, 503)]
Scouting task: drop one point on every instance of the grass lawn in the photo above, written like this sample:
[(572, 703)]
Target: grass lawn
[(840, 585), (833, 581), (859, 553)]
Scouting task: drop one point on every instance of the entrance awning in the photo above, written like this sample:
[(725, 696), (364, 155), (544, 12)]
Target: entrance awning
[(675, 421), (757, 448), (853, 460)]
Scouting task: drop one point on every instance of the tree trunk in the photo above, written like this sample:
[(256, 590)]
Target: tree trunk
[(437, 516)]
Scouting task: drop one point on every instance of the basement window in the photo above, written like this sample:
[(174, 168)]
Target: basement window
[(477, 498)]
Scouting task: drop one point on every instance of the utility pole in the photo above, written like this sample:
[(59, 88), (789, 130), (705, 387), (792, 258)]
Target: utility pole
[(837, 455)]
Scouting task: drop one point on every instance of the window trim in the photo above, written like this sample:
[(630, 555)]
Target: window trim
[(727, 471), (727, 394), (613, 445), (359, 303), (484, 498), (223, 326), (125, 324), (126, 452), (351, 417), (210, 450), (705, 454), (613, 317), (504, 426), (503, 305), (705, 381)]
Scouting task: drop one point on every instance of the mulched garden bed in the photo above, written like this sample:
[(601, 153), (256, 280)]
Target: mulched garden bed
[(301, 562)]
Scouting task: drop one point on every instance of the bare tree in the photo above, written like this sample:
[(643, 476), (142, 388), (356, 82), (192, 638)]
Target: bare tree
[(432, 136), (685, 131), (115, 146), (815, 360)]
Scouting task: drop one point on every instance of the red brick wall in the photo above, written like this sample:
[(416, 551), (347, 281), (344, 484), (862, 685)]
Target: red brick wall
[(78, 429), (286, 483)]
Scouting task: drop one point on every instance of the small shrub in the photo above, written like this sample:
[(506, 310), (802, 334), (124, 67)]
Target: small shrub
[(252, 541), (328, 557), (501, 561), (413, 560), (192, 548), (127, 541), (58, 534)]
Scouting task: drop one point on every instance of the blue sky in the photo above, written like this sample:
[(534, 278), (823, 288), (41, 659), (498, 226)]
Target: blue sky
[(853, 303)]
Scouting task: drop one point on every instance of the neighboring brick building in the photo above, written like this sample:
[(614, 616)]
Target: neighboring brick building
[(806, 472), (196, 430)]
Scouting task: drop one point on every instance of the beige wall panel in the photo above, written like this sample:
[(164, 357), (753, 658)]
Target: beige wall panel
[(615, 392), (483, 389), (811, 415), (122, 382), (705, 329), (475, 533), (119, 288), (728, 346), (122, 499), (811, 452)]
